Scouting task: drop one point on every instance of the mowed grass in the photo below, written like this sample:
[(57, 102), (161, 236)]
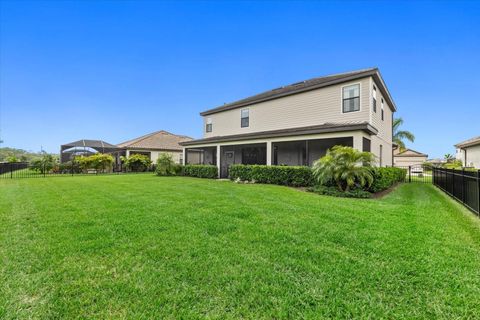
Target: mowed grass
[(140, 246)]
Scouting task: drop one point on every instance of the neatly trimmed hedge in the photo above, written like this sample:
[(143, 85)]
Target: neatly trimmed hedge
[(295, 176), (200, 171), (384, 178)]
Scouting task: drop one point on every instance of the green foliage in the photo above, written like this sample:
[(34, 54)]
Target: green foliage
[(12, 159), (453, 164), (334, 192), (384, 178), (22, 155), (99, 161), (44, 164), (137, 162), (68, 167), (166, 166), (295, 176), (400, 135), (200, 171), (344, 166)]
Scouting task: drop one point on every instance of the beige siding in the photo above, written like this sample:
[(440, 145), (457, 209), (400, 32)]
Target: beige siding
[(387, 158), (304, 109), (384, 126), (408, 161)]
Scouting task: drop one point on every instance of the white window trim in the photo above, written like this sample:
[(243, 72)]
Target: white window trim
[(359, 96), (241, 112)]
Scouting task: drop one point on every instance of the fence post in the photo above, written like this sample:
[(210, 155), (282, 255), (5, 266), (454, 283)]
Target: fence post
[(463, 185), (44, 171), (72, 167), (478, 192), (11, 170), (409, 174)]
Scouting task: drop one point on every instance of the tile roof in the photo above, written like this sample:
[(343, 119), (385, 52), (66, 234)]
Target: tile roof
[(469, 142), (159, 140), (408, 153), (307, 85)]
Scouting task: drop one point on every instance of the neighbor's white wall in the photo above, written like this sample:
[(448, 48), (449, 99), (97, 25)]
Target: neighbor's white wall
[(154, 155), (473, 156)]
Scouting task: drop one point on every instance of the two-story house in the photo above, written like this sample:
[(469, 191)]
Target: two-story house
[(298, 123)]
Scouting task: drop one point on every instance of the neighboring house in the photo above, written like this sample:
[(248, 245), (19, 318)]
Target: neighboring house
[(298, 123), (153, 144), (468, 152), (408, 157)]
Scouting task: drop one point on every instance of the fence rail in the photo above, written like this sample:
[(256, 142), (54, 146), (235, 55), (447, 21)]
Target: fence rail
[(18, 170), (462, 185)]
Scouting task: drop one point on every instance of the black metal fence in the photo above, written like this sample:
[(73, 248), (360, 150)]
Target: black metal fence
[(17, 170), (462, 185), (417, 174)]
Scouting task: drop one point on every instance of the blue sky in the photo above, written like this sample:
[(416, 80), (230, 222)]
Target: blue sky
[(117, 70)]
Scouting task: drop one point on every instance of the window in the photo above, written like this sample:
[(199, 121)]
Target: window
[(366, 145), (245, 119), (382, 110), (351, 98), (381, 155), (208, 126), (374, 102)]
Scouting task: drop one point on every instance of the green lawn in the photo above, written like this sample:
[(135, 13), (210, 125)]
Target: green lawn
[(140, 246)]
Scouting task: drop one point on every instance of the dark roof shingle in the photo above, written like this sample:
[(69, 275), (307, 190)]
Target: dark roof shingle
[(306, 86)]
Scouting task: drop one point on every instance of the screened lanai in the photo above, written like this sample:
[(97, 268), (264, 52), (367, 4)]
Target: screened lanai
[(87, 147)]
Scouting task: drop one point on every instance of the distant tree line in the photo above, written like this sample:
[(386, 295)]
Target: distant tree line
[(19, 155)]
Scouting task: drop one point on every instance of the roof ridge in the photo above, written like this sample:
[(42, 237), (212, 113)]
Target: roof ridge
[(148, 135)]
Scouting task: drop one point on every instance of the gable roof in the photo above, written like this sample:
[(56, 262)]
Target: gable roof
[(468, 143), (408, 153), (308, 85), (159, 140)]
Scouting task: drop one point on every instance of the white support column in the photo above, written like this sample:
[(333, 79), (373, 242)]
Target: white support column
[(219, 160), (358, 142), (183, 157), (269, 153)]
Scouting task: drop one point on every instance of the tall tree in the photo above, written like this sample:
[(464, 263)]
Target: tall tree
[(399, 136)]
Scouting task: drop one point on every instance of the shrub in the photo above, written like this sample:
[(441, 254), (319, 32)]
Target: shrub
[(68, 167), (99, 161), (166, 166), (295, 176), (44, 164), (137, 162), (333, 191), (345, 166), (384, 178), (453, 164), (200, 171)]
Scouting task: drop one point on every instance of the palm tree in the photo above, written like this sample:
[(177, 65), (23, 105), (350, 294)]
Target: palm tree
[(345, 167), (400, 135)]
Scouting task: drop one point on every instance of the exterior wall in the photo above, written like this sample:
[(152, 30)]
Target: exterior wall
[(299, 110), (154, 154), (473, 156), (387, 148), (384, 126), (408, 161)]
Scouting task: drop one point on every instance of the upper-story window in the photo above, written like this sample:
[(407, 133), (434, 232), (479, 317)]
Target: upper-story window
[(208, 126), (351, 98), (382, 110), (245, 118), (374, 102)]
